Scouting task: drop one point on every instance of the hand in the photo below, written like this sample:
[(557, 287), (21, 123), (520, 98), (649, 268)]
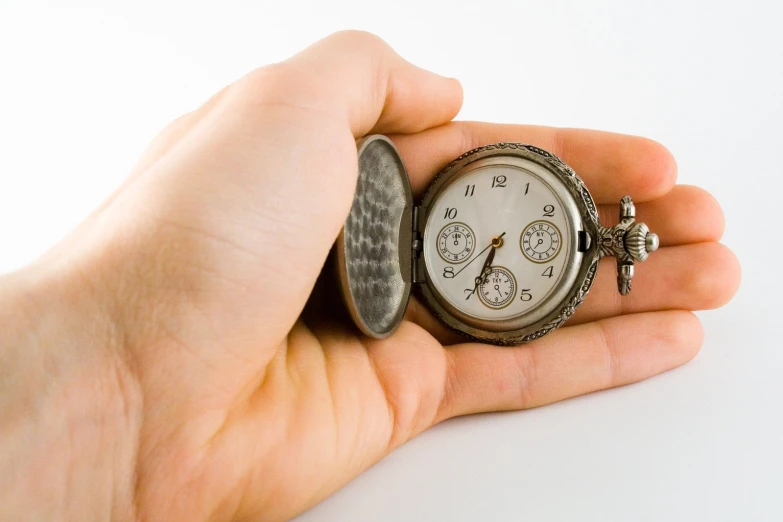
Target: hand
[(156, 365)]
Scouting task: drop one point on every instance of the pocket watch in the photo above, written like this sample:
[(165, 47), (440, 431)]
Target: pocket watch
[(503, 247)]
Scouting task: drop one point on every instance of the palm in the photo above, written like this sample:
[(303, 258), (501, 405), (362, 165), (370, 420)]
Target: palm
[(252, 407)]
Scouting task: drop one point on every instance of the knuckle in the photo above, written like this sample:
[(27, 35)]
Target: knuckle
[(526, 377), (267, 85), (354, 38), (451, 390), (612, 357), (306, 80)]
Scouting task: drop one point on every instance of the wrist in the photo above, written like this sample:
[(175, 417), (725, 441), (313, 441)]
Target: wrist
[(69, 404)]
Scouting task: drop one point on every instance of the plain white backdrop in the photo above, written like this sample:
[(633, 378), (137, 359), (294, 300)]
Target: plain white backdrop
[(84, 89)]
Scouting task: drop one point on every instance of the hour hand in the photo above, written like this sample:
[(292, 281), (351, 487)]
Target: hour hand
[(486, 269), (476, 283)]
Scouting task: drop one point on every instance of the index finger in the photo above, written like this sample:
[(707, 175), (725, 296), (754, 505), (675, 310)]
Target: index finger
[(612, 165)]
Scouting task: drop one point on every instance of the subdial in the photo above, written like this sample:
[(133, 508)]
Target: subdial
[(456, 242), (498, 288), (540, 241)]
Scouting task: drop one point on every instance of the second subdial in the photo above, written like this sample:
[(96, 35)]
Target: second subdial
[(456, 242), (498, 288)]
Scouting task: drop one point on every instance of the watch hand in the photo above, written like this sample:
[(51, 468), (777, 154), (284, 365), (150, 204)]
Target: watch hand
[(494, 240), (488, 262), (485, 272), (486, 269)]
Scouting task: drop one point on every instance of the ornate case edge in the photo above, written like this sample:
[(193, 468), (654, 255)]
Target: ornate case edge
[(591, 256)]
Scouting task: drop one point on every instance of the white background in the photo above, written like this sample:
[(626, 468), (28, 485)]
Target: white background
[(83, 90)]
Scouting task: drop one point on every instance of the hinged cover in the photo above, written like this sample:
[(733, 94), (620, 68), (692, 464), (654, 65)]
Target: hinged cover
[(374, 249)]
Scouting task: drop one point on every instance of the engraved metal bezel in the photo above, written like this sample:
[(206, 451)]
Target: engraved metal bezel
[(570, 291)]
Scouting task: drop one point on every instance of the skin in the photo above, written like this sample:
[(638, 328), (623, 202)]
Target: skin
[(161, 362)]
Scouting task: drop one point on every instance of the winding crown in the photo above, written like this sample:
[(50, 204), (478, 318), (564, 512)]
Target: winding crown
[(628, 241), (639, 242)]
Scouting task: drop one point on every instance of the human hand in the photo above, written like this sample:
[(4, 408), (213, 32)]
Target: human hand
[(157, 366)]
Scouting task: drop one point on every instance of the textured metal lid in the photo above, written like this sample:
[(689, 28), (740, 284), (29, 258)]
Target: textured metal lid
[(374, 247)]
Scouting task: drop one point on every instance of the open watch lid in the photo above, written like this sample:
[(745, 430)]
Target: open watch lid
[(374, 248)]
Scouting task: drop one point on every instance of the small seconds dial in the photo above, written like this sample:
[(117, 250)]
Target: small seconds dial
[(456, 242), (498, 289), (540, 241)]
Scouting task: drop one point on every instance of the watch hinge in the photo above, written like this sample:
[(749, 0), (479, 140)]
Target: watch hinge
[(417, 246), (584, 241)]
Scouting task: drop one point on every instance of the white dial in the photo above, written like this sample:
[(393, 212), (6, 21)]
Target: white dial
[(509, 277)]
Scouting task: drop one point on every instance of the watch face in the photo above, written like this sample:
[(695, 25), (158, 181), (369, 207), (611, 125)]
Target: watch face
[(500, 243)]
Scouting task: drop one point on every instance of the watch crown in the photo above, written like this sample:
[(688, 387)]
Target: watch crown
[(639, 242)]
